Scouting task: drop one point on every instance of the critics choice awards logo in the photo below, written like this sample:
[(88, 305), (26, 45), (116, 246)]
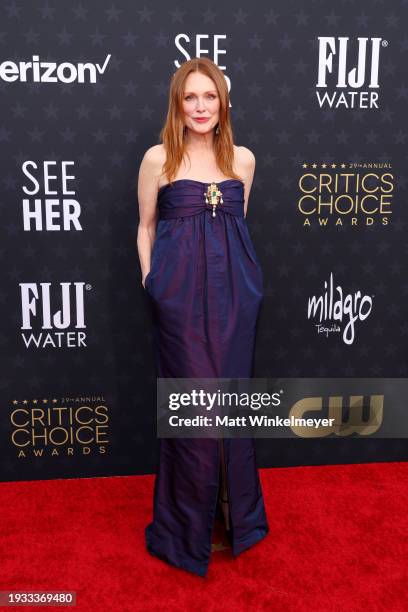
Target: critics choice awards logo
[(59, 426), (340, 194)]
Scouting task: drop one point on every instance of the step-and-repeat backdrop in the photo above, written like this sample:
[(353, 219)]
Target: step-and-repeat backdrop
[(318, 92)]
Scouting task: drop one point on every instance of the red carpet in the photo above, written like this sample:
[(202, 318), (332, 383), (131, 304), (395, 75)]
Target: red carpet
[(338, 542)]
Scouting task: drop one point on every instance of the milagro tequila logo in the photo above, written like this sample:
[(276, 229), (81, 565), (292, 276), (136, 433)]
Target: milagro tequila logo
[(348, 307), (335, 75), (37, 71), (37, 300)]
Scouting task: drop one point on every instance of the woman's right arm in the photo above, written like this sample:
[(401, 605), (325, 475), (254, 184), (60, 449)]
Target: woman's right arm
[(147, 190)]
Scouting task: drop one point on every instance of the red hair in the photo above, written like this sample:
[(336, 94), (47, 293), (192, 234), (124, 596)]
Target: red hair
[(172, 133)]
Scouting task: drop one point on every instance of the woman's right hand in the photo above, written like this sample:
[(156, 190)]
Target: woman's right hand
[(144, 281)]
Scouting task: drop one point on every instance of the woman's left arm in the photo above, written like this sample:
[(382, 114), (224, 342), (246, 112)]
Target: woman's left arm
[(247, 163)]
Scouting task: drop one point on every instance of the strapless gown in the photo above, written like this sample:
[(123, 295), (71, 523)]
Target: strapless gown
[(205, 287)]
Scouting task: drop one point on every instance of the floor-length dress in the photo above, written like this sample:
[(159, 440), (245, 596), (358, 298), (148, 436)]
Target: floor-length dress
[(205, 287)]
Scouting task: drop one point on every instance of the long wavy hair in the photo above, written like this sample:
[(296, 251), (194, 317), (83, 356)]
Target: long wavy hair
[(172, 135)]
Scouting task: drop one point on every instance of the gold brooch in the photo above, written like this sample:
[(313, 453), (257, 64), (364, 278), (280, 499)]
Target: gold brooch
[(213, 196)]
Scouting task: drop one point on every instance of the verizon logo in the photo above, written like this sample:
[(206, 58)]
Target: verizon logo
[(51, 72)]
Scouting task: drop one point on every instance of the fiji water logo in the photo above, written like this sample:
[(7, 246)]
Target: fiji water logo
[(347, 309), (53, 316), (359, 83), (36, 71)]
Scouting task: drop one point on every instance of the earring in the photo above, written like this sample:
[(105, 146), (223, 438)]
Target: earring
[(217, 131)]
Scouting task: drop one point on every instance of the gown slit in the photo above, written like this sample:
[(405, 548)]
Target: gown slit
[(224, 495)]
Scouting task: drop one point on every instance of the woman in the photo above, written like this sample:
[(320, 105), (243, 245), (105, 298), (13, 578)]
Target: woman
[(205, 286)]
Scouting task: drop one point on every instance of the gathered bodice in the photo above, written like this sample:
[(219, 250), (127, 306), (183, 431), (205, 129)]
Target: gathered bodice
[(186, 197)]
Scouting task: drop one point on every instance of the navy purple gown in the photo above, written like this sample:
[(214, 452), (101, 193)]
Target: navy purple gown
[(205, 287)]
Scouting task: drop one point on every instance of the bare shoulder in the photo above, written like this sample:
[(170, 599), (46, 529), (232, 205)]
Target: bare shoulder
[(152, 165), (155, 154), (245, 165), (244, 157), (150, 171)]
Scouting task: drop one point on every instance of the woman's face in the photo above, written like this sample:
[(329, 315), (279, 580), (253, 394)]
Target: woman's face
[(200, 100)]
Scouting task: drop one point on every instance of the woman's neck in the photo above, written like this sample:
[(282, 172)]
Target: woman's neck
[(202, 143)]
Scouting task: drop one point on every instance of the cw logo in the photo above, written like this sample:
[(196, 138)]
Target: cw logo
[(355, 423)]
